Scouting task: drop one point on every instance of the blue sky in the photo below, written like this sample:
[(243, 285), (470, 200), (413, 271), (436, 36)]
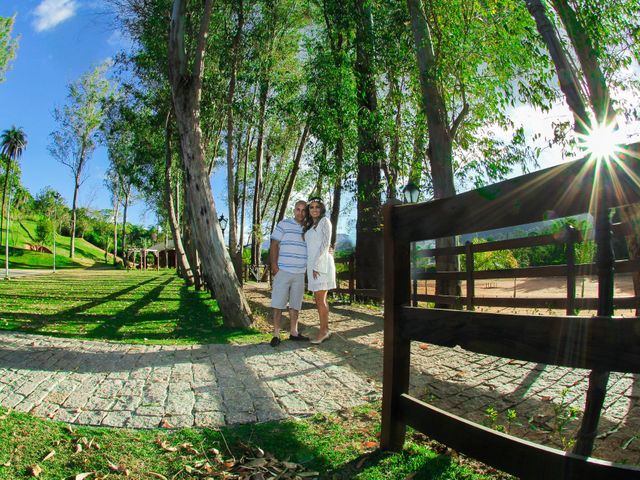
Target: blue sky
[(58, 41)]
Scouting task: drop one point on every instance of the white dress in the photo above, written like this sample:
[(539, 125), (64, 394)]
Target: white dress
[(319, 259)]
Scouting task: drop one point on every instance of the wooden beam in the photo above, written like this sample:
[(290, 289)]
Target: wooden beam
[(606, 343), (519, 457), (560, 191)]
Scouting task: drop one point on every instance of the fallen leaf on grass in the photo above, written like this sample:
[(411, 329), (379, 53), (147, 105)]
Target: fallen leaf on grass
[(166, 446), (82, 476), (158, 475), (165, 424), (307, 474), (78, 448), (188, 447), (34, 470), (118, 469), (49, 455), (370, 444)]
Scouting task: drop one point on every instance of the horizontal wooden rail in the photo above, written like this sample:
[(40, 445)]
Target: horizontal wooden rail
[(564, 190), (603, 343), (528, 302), (524, 459), (582, 269)]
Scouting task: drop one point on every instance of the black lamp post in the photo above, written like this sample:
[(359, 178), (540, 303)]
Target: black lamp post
[(56, 200), (223, 223), (410, 192)]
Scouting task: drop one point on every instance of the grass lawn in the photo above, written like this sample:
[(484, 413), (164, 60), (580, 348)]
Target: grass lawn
[(22, 233), (136, 307), (340, 446)]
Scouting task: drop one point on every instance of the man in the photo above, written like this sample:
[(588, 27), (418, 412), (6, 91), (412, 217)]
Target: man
[(288, 256)]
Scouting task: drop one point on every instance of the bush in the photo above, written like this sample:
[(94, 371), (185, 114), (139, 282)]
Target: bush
[(44, 231)]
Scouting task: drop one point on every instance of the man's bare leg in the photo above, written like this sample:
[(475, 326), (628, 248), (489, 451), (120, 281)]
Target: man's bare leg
[(277, 316), (293, 316)]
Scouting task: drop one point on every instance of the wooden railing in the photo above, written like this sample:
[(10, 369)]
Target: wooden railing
[(350, 276), (602, 343), (571, 270)]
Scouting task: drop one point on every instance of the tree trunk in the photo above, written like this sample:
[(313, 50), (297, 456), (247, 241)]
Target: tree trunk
[(127, 193), (4, 196), (337, 191), (191, 251), (596, 83), (256, 220), (441, 135), (72, 249), (568, 83), (291, 180), (236, 255), (244, 195), (181, 257), (369, 157), (116, 207), (186, 94)]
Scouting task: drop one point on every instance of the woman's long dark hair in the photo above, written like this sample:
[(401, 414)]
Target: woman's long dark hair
[(308, 221)]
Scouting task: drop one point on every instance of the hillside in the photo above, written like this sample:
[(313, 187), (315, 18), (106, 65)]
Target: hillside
[(22, 239)]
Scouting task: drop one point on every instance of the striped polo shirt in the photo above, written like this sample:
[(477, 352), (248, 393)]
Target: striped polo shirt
[(293, 250)]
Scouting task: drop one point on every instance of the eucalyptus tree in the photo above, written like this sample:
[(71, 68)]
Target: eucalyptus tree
[(79, 121), (8, 45), (112, 182), (187, 44)]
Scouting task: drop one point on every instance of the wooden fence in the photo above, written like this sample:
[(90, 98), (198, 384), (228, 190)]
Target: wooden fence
[(350, 276), (602, 343), (571, 270)]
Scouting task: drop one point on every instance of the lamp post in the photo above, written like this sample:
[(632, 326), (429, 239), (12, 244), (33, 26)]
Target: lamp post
[(6, 250), (223, 223), (411, 192)]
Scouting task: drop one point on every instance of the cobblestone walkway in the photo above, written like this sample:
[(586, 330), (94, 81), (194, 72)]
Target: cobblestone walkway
[(119, 385)]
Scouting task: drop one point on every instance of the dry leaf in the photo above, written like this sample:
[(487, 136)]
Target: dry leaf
[(165, 424), (290, 465), (166, 446), (255, 463), (78, 448), (69, 428), (118, 469), (49, 455), (546, 398), (82, 476), (424, 346), (370, 444), (188, 447), (34, 470), (158, 475), (215, 451)]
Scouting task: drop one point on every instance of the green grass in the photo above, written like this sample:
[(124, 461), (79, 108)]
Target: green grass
[(135, 307), (340, 446), (22, 233)]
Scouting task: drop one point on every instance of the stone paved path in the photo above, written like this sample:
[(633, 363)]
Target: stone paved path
[(119, 385)]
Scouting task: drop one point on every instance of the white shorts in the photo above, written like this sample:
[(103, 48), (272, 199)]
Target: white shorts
[(287, 288)]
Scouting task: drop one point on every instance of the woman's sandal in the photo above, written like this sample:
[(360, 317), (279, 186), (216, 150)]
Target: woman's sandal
[(319, 340)]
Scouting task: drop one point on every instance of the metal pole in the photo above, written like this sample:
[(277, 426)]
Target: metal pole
[(54, 249)]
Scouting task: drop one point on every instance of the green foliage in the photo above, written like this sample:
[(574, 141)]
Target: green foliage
[(563, 414), (8, 45), (495, 260), (44, 231)]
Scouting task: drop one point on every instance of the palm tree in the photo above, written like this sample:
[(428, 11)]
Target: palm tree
[(12, 143)]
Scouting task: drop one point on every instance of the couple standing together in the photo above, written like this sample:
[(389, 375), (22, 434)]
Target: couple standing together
[(298, 245)]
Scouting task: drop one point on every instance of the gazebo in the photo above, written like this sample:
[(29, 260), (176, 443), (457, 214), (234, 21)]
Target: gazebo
[(132, 260)]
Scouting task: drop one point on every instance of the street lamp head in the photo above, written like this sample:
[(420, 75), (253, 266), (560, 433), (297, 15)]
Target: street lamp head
[(223, 222), (410, 192)]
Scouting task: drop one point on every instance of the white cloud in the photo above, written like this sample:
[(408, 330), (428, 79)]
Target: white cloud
[(50, 13)]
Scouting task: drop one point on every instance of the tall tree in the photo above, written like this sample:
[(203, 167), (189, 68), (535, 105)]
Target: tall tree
[(8, 46), (186, 65), (370, 154), (79, 120), (12, 144)]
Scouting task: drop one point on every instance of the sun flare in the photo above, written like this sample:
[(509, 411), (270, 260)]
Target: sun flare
[(603, 142)]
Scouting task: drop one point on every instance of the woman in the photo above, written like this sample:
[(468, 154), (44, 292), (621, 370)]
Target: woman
[(321, 269)]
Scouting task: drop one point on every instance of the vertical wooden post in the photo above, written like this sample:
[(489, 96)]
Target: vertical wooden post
[(397, 292), (598, 379), (570, 239), (352, 278), (414, 270), (471, 290)]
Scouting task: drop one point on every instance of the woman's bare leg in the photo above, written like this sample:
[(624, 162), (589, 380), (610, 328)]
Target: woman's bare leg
[(323, 311)]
